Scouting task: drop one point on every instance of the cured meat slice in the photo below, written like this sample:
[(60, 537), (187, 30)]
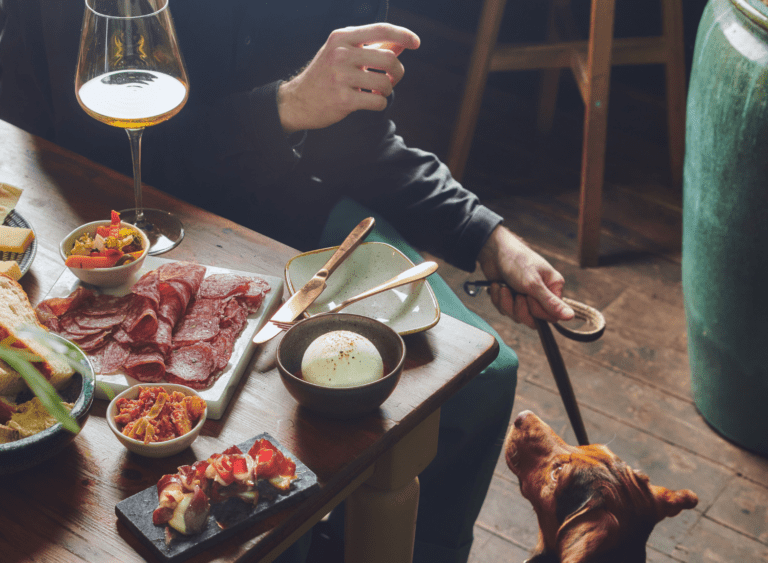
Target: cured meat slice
[(254, 295), (205, 307), (191, 365), (103, 322), (223, 345), (171, 307), (69, 327), (163, 337), (235, 314), (109, 358), (141, 321), (195, 329), (221, 286), (50, 310), (147, 286), (107, 305), (146, 365), (185, 272), (91, 342)]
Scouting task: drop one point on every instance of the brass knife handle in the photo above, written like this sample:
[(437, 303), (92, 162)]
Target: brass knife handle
[(350, 243)]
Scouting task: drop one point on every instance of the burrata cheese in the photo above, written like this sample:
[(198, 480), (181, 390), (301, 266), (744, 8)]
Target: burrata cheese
[(341, 359)]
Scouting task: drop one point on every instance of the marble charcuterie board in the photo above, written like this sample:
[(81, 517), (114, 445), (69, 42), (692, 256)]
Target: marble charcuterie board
[(219, 394)]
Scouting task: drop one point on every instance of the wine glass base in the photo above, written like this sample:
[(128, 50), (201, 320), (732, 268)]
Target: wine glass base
[(163, 229)]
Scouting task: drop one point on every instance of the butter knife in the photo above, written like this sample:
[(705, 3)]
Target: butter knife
[(303, 298)]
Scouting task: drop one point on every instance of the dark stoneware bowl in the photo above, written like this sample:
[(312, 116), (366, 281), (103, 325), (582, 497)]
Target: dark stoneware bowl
[(28, 452), (340, 402)]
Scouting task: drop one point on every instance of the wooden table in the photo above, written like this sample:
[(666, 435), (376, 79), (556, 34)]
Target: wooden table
[(65, 509)]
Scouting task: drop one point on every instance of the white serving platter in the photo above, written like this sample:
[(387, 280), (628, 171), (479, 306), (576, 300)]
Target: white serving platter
[(218, 395)]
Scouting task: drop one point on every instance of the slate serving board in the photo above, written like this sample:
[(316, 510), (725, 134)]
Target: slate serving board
[(234, 514)]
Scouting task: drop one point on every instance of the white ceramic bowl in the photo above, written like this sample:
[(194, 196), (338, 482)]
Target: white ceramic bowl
[(103, 277), (340, 402), (154, 449)]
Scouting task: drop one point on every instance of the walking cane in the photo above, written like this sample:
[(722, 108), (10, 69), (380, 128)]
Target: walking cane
[(592, 330)]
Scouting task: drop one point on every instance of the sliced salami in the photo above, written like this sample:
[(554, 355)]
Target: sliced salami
[(109, 358), (171, 307), (68, 326), (146, 365), (50, 310), (206, 307), (221, 286), (107, 305), (146, 286), (141, 321), (223, 345), (235, 314), (254, 295), (92, 342), (195, 329), (191, 365), (182, 273)]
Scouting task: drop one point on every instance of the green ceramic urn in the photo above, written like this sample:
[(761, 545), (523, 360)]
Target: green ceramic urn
[(725, 221)]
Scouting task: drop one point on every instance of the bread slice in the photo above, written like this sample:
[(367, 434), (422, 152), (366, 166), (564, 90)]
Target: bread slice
[(15, 239), (15, 312), (10, 268)]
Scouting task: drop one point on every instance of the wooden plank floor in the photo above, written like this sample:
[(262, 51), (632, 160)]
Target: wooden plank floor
[(633, 385)]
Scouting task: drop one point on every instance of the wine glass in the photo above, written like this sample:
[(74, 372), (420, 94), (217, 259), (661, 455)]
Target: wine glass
[(130, 74)]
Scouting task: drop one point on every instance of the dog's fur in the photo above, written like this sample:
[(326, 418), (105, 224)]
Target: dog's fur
[(591, 506)]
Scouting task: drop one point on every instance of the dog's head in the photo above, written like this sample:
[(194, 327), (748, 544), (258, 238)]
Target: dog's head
[(591, 506)]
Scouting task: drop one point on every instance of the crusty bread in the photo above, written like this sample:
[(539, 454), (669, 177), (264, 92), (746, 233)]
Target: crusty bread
[(15, 312), (10, 268)]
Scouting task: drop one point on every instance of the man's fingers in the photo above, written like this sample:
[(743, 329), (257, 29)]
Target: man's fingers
[(369, 99), (383, 36)]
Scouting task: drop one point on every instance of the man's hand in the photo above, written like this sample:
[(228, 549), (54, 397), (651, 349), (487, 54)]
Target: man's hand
[(338, 81), (506, 257)]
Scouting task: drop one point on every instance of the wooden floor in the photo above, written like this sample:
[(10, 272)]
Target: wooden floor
[(633, 385)]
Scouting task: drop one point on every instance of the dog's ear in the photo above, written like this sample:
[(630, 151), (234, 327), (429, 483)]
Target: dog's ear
[(671, 503), (586, 532)]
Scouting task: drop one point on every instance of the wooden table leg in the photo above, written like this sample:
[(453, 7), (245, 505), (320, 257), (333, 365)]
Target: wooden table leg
[(380, 522)]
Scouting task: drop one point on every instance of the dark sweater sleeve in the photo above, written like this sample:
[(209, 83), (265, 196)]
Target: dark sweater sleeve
[(410, 187), (248, 123)]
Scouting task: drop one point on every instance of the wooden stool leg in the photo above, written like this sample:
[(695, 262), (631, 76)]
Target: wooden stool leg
[(550, 77), (672, 22), (477, 76), (595, 124)]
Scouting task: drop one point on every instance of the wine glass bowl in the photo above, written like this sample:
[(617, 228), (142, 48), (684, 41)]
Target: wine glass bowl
[(131, 75)]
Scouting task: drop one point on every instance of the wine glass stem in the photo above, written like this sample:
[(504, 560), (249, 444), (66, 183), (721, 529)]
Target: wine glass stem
[(134, 135)]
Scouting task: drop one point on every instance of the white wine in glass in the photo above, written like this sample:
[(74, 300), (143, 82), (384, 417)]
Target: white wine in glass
[(130, 74)]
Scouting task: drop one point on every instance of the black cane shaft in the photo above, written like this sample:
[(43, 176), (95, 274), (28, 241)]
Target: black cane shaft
[(562, 380)]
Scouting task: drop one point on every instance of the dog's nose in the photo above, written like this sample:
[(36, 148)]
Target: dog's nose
[(521, 418)]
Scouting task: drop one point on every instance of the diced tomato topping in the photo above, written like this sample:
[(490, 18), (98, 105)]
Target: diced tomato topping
[(114, 228)]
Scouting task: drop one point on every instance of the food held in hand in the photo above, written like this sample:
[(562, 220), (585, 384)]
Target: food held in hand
[(111, 245), (15, 239), (184, 498), (341, 359), (157, 416)]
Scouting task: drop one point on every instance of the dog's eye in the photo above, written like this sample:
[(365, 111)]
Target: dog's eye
[(555, 472)]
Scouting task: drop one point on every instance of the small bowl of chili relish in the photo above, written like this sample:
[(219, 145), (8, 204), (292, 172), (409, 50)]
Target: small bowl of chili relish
[(92, 272), (157, 420)]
